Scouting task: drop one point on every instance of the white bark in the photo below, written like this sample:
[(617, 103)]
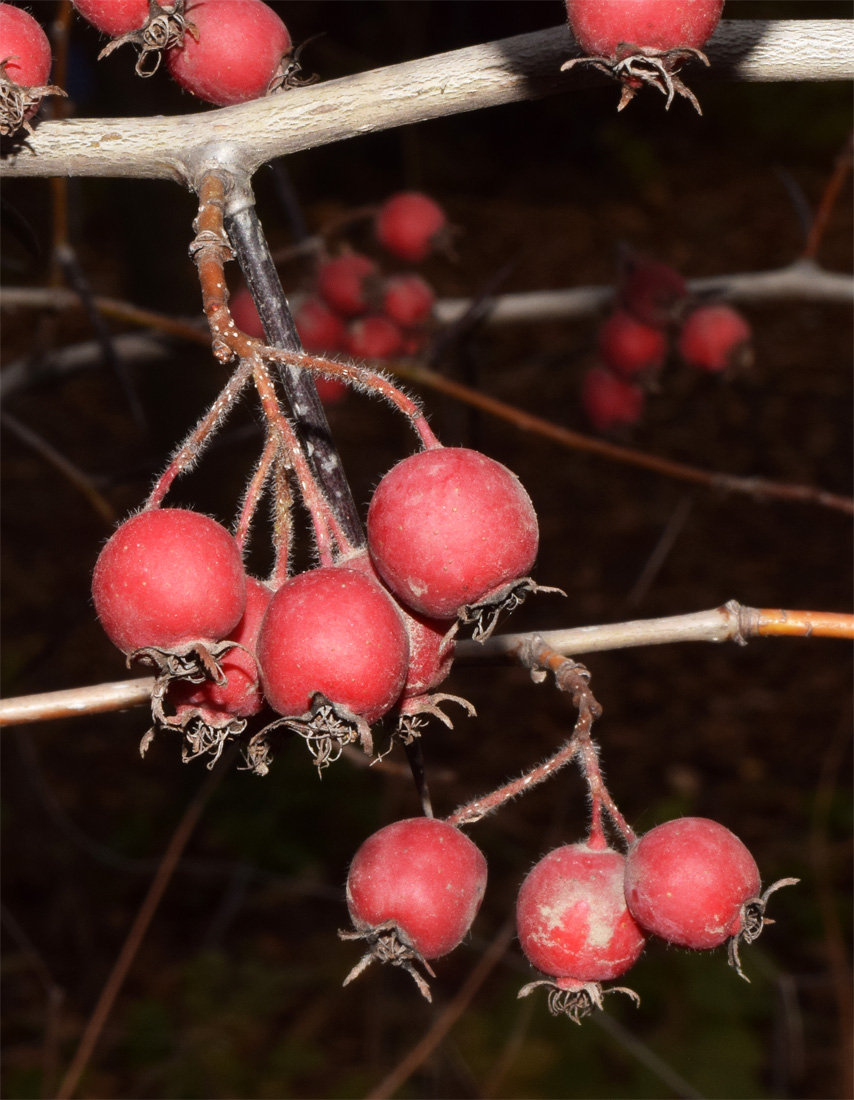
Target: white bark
[(525, 67)]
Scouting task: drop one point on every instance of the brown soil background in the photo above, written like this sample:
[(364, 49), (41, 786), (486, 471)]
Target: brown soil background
[(236, 989)]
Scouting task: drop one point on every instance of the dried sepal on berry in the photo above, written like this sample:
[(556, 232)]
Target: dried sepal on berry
[(753, 920), (575, 999)]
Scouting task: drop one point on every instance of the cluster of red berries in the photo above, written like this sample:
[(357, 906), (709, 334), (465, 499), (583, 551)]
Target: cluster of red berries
[(584, 912), (654, 308), (354, 308), (451, 535)]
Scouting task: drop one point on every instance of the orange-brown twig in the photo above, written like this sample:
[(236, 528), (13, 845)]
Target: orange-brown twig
[(759, 488), (829, 199)]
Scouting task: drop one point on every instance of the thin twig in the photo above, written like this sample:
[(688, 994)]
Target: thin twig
[(137, 931), (756, 487), (828, 200)]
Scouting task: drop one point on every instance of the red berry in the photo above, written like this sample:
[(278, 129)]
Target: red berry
[(240, 695), (374, 337), (422, 875), (653, 292), (604, 27), (687, 881), (408, 300), (345, 283), (410, 225), (24, 47), (629, 347), (166, 577), (450, 527), (715, 337), (333, 630), (610, 401), (321, 330), (24, 67), (114, 17), (571, 915), (237, 55)]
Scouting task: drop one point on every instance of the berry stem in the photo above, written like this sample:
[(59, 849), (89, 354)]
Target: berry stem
[(373, 381), (254, 489), (326, 526), (190, 450), (253, 254)]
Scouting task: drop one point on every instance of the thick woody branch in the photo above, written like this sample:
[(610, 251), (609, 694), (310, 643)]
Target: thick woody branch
[(733, 622), (522, 68)]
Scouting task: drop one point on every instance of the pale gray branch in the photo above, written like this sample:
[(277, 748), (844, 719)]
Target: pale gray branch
[(802, 281), (521, 68), (732, 622)]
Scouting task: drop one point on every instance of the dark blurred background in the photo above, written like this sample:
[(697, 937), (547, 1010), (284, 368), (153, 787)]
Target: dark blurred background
[(236, 990)]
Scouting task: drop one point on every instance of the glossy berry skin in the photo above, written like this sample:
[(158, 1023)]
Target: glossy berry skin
[(345, 283), (408, 300), (449, 527), (571, 915), (114, 17), (686, 881), (336, 631), (166, 577), (240, 696), (238, 53), (609, 401), (409, 224), (602, 27), (422, 874), (652, 292), (374, 337), (25, 49), (630, 348), (714, 337)]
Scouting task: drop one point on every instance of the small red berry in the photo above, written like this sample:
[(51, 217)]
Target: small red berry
[(408, 300), (239, 695), (236, 53), (114, 17), (714, 338), (643, 41), (604, 27), (413, 891), (335, 631), (687, 881), (450, 527), (572, 918), (24, 68), (609, 401), (345, 283), (410, 225), (320, 329), (167, 577), (654, 293), (374, 337), (629, 347)]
